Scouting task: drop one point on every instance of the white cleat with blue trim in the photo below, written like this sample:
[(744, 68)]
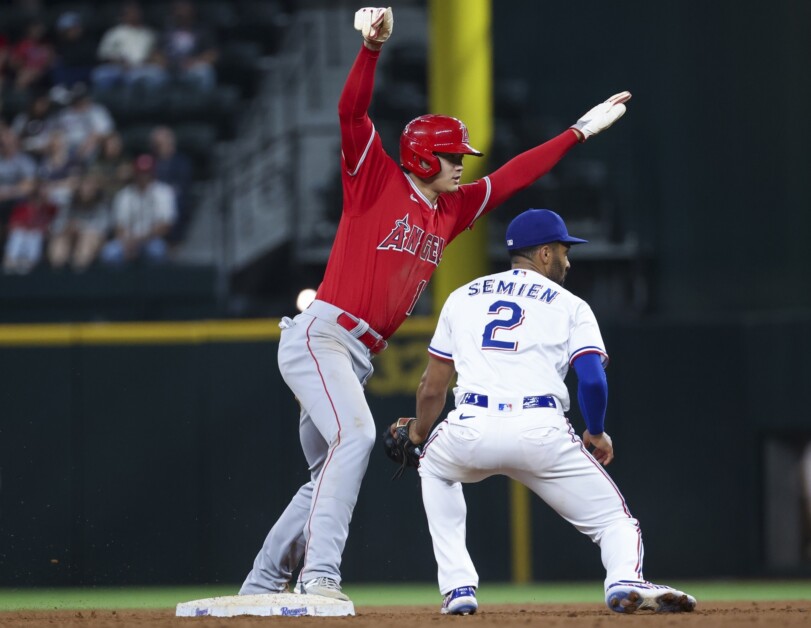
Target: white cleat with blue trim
[(461, 601), (629, 596)]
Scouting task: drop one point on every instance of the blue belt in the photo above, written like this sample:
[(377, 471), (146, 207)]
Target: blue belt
[(536, 401)]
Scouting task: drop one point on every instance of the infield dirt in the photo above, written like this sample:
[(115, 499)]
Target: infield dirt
[(707, 615)]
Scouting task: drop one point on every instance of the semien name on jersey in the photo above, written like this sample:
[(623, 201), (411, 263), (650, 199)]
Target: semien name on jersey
[(511, 288)]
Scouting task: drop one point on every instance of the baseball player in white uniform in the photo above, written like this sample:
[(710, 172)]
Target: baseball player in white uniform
[(511, 338)]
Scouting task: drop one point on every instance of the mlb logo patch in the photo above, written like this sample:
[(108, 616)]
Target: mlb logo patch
[(505, 407)]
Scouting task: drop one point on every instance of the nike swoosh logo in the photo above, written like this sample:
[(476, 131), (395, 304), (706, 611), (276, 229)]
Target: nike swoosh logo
[(462, 417), (414, 198)]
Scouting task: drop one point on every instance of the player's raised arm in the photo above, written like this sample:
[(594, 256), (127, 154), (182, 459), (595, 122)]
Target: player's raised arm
[(522, 170), (375, 24)]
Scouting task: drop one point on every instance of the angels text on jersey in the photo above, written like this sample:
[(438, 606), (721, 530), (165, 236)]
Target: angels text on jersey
[(407, 238)]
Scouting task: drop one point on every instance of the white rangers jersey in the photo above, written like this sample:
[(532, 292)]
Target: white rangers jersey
[(513, 335)]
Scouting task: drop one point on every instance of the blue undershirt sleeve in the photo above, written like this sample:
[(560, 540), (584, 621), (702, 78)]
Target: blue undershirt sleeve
[(592, 391)]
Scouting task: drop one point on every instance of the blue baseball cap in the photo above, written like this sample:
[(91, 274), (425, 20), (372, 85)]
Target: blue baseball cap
[(538, 226)]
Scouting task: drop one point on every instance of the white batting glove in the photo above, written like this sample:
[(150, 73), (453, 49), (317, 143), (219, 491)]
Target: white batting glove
[(602, 116), (375, 23)]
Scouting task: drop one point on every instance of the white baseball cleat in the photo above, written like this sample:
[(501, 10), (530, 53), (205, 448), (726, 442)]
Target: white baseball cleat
[(328, 587), (629, 596), (461, 601)]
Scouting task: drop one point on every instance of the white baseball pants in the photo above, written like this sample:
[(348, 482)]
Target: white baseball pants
[(539, 448)]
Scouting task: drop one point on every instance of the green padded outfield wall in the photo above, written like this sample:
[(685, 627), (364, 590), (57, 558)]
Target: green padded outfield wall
[(165, 461), (148, 460)]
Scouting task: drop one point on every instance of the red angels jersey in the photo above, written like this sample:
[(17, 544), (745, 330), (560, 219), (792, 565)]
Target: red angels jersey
[(391, 238)]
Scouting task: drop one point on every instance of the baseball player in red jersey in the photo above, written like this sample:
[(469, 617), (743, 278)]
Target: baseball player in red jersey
[(396, 222)]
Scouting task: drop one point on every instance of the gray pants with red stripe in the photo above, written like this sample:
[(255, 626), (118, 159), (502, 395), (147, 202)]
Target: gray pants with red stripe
[(326, 368)]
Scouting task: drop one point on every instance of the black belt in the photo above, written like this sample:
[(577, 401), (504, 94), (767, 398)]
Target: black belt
[(536, 401)]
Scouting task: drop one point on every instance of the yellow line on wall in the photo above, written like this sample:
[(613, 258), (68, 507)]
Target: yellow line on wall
[(180, 332), (139, 333)]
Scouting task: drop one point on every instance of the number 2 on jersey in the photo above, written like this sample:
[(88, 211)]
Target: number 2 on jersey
[(516, 317)]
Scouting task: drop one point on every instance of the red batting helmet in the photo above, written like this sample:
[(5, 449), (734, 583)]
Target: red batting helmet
[(425, 136)]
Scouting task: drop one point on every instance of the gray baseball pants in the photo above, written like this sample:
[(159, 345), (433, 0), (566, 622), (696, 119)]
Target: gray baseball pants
[(326, 368)]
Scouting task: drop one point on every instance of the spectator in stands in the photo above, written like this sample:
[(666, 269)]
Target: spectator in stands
[(34, 125), (174, 168), (188, 50), (112, 165), (58, 171), (32, 56), (79, 233), (28, 225), (17, 174), (143, 213), (75, 52), (85, 123), (128, 53)]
